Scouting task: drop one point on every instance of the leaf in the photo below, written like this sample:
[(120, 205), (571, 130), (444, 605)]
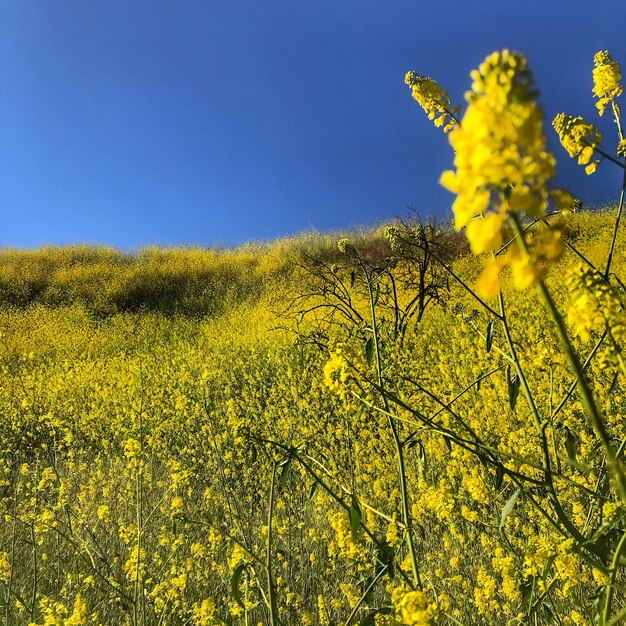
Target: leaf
[(598, 600), (234, 584), (369, 350), (489, 335), (354, 514), (285, 474), (386, 558), (508, 507), (528, 589), (422, 530), (377, 294), (422, 452), (314, 487), (499, 476), (571, 445), (352, 278), (547, 567), (514, 384)]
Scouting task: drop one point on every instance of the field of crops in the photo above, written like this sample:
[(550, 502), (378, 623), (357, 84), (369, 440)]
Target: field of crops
[(370, 429)]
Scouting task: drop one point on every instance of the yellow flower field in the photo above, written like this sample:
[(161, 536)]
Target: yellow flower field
[(375, 429)]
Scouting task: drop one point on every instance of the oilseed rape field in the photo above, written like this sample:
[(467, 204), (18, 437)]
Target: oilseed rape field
[(413, 424)]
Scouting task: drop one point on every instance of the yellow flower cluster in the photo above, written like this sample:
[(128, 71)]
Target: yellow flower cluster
[(596, 306), (433, 99), (579, 139), (500, 150), (502, 166), (412, 608), (606, 79), (544, 246), (341, 368)]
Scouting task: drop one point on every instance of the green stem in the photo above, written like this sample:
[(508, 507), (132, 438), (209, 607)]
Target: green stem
[(268, 553), (33, 600), (365, 594), (465, 286), (541, 431), (593, 413), (606, 155), (609, 588), (616, 227), (406, 513), (316, 477), (617, 619)]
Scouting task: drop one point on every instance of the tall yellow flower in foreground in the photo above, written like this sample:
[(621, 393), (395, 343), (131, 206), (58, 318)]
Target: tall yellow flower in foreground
[(606, 79), (502, 163), (500, 149)]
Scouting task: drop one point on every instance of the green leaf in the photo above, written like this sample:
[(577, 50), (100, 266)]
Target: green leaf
[(571, 445), (377, 294), (369, 350), (508, 507), (499, 476), (354, 514), (285, 473), (547, 567), (514, 384), (386, 558), (234, 584), (528, 590), (314, 487), (597, 604), (421, 453), (489, 335)]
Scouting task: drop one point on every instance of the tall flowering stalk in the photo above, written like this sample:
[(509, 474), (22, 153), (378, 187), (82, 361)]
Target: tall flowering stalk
[(434, 100), (582, 139), (501, 178), (503, 167), (579, 138), (607, 78)]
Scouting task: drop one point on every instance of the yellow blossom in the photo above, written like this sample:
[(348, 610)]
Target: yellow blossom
[(579, 139), (606, 79), (433, 99)]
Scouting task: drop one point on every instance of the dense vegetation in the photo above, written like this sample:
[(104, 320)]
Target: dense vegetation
[(376, 431), (191, 281), (138, 465)]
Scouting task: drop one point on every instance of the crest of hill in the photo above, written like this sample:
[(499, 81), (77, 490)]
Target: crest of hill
[(199, 281)]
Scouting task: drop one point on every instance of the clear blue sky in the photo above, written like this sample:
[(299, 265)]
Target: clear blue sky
[(135, 122)]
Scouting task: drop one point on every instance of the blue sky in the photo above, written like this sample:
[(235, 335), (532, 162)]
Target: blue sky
[(136, 122)]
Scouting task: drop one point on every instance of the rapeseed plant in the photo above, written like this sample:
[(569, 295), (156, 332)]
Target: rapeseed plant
[(451, 466)]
